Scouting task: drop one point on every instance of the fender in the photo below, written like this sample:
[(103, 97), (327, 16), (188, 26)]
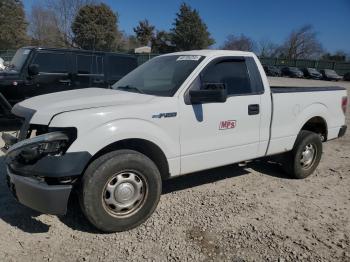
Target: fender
[(111, 132)]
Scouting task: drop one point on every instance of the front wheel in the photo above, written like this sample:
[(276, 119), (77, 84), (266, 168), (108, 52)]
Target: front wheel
[(120, 190), (305, 156)]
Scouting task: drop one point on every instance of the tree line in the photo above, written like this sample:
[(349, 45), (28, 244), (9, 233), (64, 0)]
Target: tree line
[(91, 24)]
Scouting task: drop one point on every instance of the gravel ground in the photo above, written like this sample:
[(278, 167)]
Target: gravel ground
[(247, 212)]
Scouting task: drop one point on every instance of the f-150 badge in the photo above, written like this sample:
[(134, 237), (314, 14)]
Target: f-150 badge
[(227, 124), (165, 115)]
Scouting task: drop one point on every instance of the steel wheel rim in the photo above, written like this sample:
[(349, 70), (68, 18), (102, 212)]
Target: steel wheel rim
[(308, 156), (124, 193)]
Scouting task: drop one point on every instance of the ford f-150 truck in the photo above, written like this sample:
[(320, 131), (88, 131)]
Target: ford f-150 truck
[(176, 114)]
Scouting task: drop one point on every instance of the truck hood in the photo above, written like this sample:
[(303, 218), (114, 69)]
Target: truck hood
[(44, 107), (8, 73)]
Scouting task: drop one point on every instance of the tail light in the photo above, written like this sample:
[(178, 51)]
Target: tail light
[(344, 103)]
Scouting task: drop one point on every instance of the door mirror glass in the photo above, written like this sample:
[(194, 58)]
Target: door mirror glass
[(33, 69), (210, 93)]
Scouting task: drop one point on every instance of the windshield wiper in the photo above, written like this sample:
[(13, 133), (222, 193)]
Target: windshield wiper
[(130, 88)]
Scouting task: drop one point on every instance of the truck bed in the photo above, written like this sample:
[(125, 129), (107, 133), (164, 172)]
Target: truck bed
[(292, 107)]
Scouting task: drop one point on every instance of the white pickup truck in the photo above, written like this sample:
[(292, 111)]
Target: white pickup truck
[(176, 114)]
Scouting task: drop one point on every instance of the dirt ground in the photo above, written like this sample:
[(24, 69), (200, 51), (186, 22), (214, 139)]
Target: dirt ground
[(233, 213)]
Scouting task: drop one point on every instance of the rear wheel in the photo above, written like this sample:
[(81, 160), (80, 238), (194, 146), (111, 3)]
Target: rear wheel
[(305, 156), (120, 190)]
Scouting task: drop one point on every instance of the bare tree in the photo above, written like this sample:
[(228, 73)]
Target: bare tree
[(339, 56), (44, 28), (268, 48), (302, 43), (241, 42), (65, 12)]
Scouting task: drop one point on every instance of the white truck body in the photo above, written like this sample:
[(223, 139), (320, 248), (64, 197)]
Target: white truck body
[(104, 116), (174, 131)]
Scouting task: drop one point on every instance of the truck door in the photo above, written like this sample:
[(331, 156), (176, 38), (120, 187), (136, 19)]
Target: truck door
[(89, 71), (216, 134), (54, 72)]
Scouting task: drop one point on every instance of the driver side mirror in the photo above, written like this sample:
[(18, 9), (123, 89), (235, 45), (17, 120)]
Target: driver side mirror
[(210, 93), (33, 69)]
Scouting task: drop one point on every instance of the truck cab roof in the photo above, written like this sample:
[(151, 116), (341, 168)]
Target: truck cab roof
[(213, 52)]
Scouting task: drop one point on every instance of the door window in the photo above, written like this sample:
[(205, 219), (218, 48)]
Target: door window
[(88, 64), (119, 66), (51, 62), (233, 74)]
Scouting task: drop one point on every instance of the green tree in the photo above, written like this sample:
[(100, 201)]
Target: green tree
[(96, 28), (144, 32), (189, 31), (13, 26), (162, 43)]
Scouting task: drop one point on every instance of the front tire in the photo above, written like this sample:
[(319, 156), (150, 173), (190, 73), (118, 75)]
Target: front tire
[(305, 156), (120, 190)]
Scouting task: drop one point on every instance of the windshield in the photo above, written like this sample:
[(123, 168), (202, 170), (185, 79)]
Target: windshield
[(19, 59), (161, 76)]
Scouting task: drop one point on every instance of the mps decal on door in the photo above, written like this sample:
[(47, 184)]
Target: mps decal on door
[(227, 124)]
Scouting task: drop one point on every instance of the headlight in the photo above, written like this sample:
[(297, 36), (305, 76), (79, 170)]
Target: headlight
[(31, 150)]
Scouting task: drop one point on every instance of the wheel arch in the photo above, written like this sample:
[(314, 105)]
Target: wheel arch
[(318, 125), (143, 146)]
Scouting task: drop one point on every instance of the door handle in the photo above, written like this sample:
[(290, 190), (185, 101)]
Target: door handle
[(98, 81), (253, 109)]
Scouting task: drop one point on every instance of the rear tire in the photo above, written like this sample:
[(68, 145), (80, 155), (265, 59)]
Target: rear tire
[(305, 155), (120, 190)]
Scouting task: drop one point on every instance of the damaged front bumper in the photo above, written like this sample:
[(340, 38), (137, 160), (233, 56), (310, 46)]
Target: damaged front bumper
[(46, 183), (38, 195)]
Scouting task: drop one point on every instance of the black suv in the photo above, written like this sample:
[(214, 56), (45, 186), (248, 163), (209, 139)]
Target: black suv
[(35, 71)]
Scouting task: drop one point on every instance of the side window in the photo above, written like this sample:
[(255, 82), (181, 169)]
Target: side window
[(232, 73), (119, 66), (88, 64), (51, 62)]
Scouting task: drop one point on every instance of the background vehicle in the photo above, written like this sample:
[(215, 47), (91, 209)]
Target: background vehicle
[(292, 72), (176, 114), (331, 75), (2, 66), (311, 73), (347, 77), (36, 71), (272, 70)]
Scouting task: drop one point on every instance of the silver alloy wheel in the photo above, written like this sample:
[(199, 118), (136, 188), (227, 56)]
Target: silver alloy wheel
[(308, 156), (124, 193)]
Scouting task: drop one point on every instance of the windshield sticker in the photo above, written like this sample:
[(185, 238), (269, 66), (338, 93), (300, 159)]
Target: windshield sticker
[(189, 58), (26, 52)]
